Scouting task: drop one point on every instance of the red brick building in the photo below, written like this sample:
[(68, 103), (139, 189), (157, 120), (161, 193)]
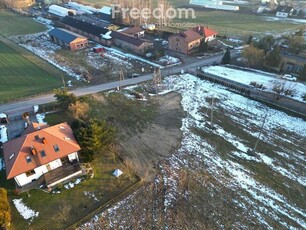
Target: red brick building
[(68, 39)]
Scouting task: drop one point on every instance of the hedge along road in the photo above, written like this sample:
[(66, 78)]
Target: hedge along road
[(27, 104)]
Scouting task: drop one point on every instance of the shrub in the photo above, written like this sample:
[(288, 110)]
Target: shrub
[(5, 215)]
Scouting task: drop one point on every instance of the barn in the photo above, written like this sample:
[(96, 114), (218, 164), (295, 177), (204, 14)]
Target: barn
[(68, 39), (61, 11)]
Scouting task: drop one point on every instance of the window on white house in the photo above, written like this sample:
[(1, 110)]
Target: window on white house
[(30, 173)]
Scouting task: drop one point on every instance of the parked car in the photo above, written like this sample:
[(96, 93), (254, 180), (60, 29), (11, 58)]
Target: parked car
[(134, 75), (289, 77)]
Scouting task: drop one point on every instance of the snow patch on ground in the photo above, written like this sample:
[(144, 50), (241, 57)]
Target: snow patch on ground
[(246, 77), (26, 212), (40, 118)]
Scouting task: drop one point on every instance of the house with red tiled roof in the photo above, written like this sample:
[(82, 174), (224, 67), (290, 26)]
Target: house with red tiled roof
[(47, 154), (207, 33), (188, 41)]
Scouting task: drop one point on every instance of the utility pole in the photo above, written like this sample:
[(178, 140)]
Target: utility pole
[(212, 112), (260, 132), (157, 79), (64, 84), (121, 79)]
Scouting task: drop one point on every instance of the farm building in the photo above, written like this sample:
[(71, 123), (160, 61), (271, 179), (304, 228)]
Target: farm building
[(61, 11), (188, 41), (92, 29), (131, 43), (81, 8), (42, 154), (105, 13), (136, 31), (284, 11), (68, 39)]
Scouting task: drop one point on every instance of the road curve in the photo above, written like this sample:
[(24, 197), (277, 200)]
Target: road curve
[(27, 104)]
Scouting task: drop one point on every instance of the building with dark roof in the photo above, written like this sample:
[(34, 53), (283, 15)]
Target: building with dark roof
[(131, 43), (92, 29), (284, 11), (68, 39), (135, 31)]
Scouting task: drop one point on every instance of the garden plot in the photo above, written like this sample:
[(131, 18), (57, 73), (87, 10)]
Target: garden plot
[(268, 80), (212, 181)]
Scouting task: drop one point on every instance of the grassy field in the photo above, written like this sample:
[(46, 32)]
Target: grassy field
[(227, 23), (14, 24), (230, 23), (23, 73), (20, 77)]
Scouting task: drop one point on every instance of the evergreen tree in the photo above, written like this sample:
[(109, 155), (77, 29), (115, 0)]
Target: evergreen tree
[(227, 56), (95, 136), (203, 46), (265, 43), (250, 40), (64, 98)]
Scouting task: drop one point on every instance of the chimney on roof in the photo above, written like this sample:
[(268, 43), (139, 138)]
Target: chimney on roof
[(33, 150), (44, 141)]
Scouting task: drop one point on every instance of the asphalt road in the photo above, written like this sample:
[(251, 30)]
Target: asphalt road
[(27, 104)]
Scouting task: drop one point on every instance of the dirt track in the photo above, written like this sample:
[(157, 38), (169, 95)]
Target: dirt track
[(159, 140)]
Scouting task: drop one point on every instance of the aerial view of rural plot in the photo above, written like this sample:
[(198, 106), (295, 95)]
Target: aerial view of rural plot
[(152, 114)]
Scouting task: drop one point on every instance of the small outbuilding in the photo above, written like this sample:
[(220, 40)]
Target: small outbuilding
[(117, 173), (68, 39)]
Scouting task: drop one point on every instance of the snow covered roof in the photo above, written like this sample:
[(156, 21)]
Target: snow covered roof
[(60, 11), (106, 10)]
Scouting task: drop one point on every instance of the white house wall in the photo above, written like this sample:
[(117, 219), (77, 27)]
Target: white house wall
[(55, 164), (23, 179), (73, 156)]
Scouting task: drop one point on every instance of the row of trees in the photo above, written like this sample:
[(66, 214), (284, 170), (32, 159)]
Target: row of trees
[(129, 19), (93, 135), (266, 52)]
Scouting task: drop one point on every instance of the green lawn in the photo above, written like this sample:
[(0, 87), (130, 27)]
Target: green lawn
[(231, 23), (14, 24), (20, 77), (103, 187)]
